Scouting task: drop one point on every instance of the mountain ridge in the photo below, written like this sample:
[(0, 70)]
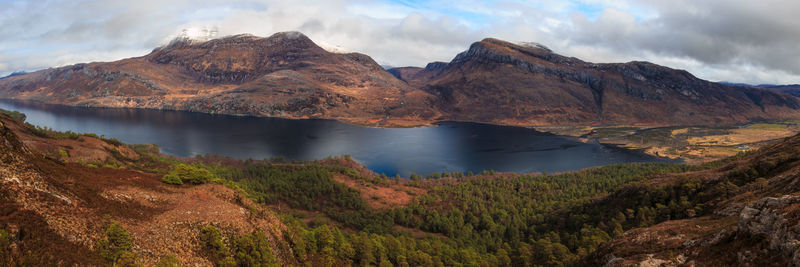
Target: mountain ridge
[(789, 89), (284, 75), (609, 93), (494, 81)]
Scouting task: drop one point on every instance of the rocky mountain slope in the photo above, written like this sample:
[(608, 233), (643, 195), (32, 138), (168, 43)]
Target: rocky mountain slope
[(288, 75), (284, 75), (501, 82), (746, 213)]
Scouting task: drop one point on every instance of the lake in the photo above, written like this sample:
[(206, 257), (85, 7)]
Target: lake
[(450, 146)]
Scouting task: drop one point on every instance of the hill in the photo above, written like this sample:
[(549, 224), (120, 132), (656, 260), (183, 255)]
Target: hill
[(745, 213), (63, 195)]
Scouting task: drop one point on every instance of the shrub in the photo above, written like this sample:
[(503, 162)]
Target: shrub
[(5, 239), (184, 173), (63, 154), (254, 250), (213, 241), (128, 258), (5, 242), (14, 114), (48, 132), (228, 262), (117, 241), (172, 179), (113, 141), (168, 260)]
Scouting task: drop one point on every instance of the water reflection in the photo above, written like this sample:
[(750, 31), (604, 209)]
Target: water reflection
[(450, 147)]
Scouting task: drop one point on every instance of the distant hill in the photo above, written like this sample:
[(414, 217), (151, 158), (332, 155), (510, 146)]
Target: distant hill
[(17, 73), (791, 89)]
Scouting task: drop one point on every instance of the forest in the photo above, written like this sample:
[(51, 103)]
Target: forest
[(489, 219), (461, 219)]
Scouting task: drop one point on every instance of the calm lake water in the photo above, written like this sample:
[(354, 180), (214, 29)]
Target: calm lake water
[(452, 146)]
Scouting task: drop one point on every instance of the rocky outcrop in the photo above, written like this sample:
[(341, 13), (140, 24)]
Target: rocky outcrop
[(486, 51), (744, 222), (435, 66), (776, 220)]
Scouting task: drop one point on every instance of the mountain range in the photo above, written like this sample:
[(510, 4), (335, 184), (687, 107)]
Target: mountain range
[(494, 81), (791, 89)]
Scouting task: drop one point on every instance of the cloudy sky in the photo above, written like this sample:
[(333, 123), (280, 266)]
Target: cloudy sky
[(752, 41)]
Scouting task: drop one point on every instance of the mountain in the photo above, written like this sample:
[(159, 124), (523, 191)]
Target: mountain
[(288, 75), (502, 82), (789, 89), (736, 84), (16, 73), (284, 75)]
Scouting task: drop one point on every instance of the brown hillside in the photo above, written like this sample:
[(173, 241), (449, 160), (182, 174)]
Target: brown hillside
[(527, 84), (56, 212), (284, 75), (751, 212)]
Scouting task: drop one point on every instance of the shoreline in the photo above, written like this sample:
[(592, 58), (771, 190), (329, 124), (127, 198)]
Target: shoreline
[(616, 136)]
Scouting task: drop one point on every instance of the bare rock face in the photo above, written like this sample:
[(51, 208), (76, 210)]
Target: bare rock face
[(240, 58), (647, 261), (770, 218)]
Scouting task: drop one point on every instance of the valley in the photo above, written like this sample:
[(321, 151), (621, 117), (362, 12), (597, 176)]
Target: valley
[(206, 210)]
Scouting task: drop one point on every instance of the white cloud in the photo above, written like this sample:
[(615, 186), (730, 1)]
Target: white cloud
[(734, 40)]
